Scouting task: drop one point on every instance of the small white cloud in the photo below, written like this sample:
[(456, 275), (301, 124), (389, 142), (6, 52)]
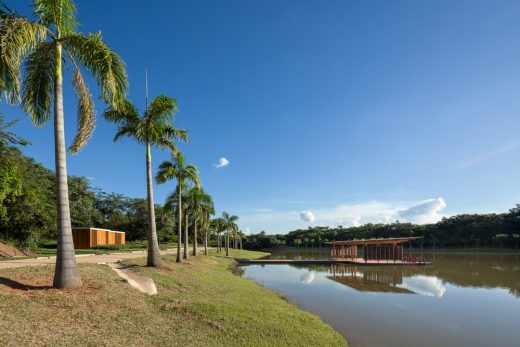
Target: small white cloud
[(427, 211), (90, 178), (356, 221), (307, 216), (221, 163)]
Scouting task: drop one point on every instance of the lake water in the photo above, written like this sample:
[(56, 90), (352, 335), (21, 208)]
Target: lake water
[(463, 299)]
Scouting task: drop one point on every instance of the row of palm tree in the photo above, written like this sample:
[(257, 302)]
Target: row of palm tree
[(33, 53)]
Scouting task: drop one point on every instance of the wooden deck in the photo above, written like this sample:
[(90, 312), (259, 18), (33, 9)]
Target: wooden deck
[(355, 261)]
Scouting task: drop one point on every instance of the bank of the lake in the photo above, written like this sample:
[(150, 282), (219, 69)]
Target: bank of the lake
[(200, 303)]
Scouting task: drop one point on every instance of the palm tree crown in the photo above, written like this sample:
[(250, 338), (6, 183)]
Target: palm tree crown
[(39, 46)]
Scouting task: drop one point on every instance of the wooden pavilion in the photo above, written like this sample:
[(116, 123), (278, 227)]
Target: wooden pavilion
[(94, 237), (374, 250)]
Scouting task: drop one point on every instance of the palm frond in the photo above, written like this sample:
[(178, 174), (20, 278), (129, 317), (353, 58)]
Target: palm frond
[(58, 14), (125, 131), (125, 113), (126, 118), (106, 66), (161, 110), (167, 171), (18, 38), (173, 133), (39, 83), (86, 113)]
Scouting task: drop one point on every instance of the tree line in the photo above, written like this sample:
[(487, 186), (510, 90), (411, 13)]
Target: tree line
[(499, 230)]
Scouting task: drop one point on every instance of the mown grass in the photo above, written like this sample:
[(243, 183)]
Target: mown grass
[(200, 303)]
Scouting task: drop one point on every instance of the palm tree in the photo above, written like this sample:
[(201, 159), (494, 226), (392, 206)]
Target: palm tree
[(229, 226), (39, 48), (217, 225), (153, 128), (178, 169), (200, 207)]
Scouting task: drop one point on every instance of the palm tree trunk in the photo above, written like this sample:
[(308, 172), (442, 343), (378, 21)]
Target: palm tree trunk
[(194, 238), (154, 255), (227, 243), (179, 231), (206, 243), (186, 256), (66, 274), (240, 243)]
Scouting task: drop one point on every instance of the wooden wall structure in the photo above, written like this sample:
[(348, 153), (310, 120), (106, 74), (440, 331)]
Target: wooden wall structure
[(93, 237), (389, 249)]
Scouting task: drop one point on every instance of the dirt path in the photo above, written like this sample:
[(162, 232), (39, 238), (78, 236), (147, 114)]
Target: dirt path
[(82, 258)]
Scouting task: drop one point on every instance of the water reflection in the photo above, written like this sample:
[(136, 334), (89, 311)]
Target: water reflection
[(364, 279), (485, 270), (446, 304), (424, 285), (308, 277)]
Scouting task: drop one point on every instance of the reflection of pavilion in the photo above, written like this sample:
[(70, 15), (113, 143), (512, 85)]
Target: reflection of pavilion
[(382, 280), (387, 279)]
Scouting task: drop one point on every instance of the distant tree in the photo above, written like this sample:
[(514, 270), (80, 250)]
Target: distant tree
[(230, 226), (183, 173)]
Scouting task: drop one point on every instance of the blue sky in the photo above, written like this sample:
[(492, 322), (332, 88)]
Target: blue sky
[(354, 111)]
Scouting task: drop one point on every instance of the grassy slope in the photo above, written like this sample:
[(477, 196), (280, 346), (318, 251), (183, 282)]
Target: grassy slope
[(200, 303)]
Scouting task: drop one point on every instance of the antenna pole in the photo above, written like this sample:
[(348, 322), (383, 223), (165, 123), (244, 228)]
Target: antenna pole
[(146, 87)]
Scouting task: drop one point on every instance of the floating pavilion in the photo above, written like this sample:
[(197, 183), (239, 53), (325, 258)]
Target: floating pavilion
[(383, 250), (376, 252)]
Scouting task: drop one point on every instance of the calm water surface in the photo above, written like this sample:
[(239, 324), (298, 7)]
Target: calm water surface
[(462, 300)]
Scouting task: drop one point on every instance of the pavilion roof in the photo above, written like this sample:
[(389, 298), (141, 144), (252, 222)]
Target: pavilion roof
[(391, 240)]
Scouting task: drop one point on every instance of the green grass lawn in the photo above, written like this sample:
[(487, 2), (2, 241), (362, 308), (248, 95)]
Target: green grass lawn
[(200, 303)]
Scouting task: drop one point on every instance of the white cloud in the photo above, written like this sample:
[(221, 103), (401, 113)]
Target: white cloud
[(221, 163), (282, 221), (307, 216), (427, 211)]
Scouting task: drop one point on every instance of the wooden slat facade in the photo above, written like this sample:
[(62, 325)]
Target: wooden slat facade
[(85, 238), (390, 249)]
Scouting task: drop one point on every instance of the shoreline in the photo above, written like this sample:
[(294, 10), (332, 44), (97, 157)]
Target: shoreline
[(199, 303)]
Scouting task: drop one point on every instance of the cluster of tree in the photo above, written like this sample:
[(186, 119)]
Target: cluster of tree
[(466, 230), (28, 205), (33, 53)]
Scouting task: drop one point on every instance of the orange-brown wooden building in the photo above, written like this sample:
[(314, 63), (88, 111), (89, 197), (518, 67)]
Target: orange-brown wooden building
[(94, 237), (388, 250)]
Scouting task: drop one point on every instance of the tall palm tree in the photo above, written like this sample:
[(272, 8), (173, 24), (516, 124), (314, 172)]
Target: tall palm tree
[(217, 226), (200, 205), (39, 48), (153, 128), (183, 173), (230, 226)]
